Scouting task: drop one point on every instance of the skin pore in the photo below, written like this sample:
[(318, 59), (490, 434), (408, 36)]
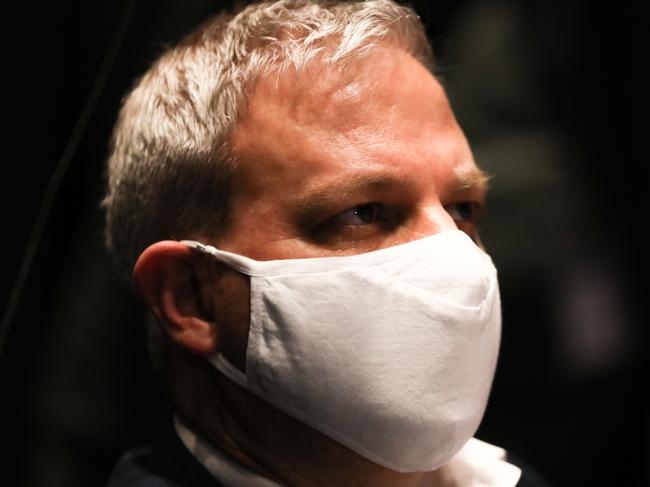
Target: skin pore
[(331, 161)]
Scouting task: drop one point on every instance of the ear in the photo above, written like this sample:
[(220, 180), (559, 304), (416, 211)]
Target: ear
[(165, 277)]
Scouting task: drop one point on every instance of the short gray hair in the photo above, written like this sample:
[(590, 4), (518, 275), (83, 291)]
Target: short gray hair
[(170, 164)]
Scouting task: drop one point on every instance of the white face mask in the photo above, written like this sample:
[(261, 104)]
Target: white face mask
[(391, 353)]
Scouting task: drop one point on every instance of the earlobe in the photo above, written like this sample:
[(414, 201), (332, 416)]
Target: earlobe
[(165, 279)]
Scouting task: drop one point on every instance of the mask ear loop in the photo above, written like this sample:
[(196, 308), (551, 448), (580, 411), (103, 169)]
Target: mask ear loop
[(199, 246), (220, 362), (235, 262), (224, 366)]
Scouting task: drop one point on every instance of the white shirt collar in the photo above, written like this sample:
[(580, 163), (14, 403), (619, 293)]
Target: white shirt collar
[(477, 464), (480, 464)]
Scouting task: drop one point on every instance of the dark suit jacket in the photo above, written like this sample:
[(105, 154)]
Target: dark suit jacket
[(168, 463)]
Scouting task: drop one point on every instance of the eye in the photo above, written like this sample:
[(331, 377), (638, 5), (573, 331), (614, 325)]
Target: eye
[(359, 215), (464, 212), (466, 215), (363, 222)]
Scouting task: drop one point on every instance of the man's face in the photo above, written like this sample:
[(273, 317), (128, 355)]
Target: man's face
[(331, 162), (338, 162)]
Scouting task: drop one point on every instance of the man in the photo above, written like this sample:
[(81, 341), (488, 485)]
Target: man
[(298, 208)]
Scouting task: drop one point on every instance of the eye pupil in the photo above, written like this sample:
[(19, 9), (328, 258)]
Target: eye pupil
[(366, 213)]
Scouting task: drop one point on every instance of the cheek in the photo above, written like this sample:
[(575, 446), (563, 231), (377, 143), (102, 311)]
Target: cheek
[(232, 320)]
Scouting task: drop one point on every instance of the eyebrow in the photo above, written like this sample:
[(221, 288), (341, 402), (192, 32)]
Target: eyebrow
[(475, 178)]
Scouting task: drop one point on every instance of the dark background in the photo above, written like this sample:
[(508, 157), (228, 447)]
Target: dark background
[(546, 93)]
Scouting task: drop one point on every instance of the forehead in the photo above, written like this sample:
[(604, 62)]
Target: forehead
[(384, 113), (321, 95)]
